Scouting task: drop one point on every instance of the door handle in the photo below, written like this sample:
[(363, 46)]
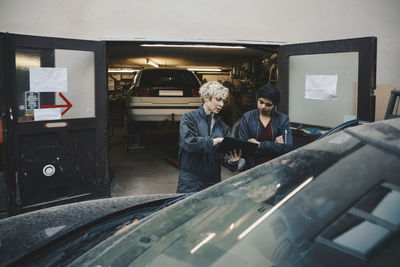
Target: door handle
[(11, 114)]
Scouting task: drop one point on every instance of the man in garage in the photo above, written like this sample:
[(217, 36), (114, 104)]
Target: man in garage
[(199, 134), (266, 127)]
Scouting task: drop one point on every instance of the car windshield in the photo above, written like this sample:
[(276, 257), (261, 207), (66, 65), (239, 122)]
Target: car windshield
[(168, 78), (209, 227)]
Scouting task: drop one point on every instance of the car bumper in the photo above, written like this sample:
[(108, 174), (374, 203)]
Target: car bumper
[(160, 108)]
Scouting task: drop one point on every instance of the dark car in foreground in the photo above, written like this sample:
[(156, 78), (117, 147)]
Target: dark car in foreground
[(334, 202)]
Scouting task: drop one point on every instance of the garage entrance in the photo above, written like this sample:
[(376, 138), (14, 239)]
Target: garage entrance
[(242, 67), (146, 149)]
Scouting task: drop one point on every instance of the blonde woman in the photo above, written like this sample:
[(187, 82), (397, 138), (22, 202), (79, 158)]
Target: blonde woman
[(199, 134)]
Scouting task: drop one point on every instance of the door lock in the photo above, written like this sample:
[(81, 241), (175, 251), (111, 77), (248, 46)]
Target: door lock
[(49, 170)]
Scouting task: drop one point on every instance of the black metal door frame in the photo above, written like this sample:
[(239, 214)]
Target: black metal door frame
[(3, 118), (366, 47), (15, 129)]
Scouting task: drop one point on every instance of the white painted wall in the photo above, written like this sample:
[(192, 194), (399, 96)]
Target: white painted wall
[(290, 21)]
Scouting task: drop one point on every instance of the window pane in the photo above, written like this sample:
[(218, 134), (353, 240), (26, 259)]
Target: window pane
[(24, 59), (363, 237), (81, 82), (388, 208), (383, 203), (169, 79), (323, 88)]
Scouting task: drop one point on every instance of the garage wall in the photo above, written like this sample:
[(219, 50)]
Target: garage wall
[(288, 21)]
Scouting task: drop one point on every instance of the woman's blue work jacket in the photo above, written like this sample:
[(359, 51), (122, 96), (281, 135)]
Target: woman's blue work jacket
[(199, 163), (250, 128)]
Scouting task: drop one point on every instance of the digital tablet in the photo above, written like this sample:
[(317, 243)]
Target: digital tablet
[(230, 144)]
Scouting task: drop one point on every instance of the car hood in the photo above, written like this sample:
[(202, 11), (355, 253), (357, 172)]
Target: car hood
[(266, 216), (26, 232)]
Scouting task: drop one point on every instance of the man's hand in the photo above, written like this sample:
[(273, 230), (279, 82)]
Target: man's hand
[(252, 140), (279, 140), (218, 140), (234, 156)]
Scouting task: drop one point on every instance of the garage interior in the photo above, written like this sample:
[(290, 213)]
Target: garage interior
[(150, 167)]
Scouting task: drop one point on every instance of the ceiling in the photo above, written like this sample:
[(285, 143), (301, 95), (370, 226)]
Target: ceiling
[(133, 55)]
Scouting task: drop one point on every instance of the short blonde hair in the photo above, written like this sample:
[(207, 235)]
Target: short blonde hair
[(213, 89)]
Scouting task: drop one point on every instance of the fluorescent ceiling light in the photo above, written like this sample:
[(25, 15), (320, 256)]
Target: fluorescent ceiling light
[(196, 46), (152, 63), (122, 71), (203, 69)]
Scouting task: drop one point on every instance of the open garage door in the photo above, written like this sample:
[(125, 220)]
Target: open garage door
[(324, 84), (55, 121)]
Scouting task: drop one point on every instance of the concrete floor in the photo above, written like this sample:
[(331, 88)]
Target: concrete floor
[(146, 171)]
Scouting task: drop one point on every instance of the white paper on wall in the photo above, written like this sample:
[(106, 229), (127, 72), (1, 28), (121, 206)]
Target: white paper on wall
[(48, 79), (46, 114), (322, 87)]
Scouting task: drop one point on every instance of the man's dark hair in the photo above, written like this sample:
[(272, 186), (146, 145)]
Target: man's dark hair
[(269, 92)]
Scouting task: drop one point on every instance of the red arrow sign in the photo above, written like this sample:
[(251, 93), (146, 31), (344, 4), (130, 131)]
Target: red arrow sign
[(67, 106)]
